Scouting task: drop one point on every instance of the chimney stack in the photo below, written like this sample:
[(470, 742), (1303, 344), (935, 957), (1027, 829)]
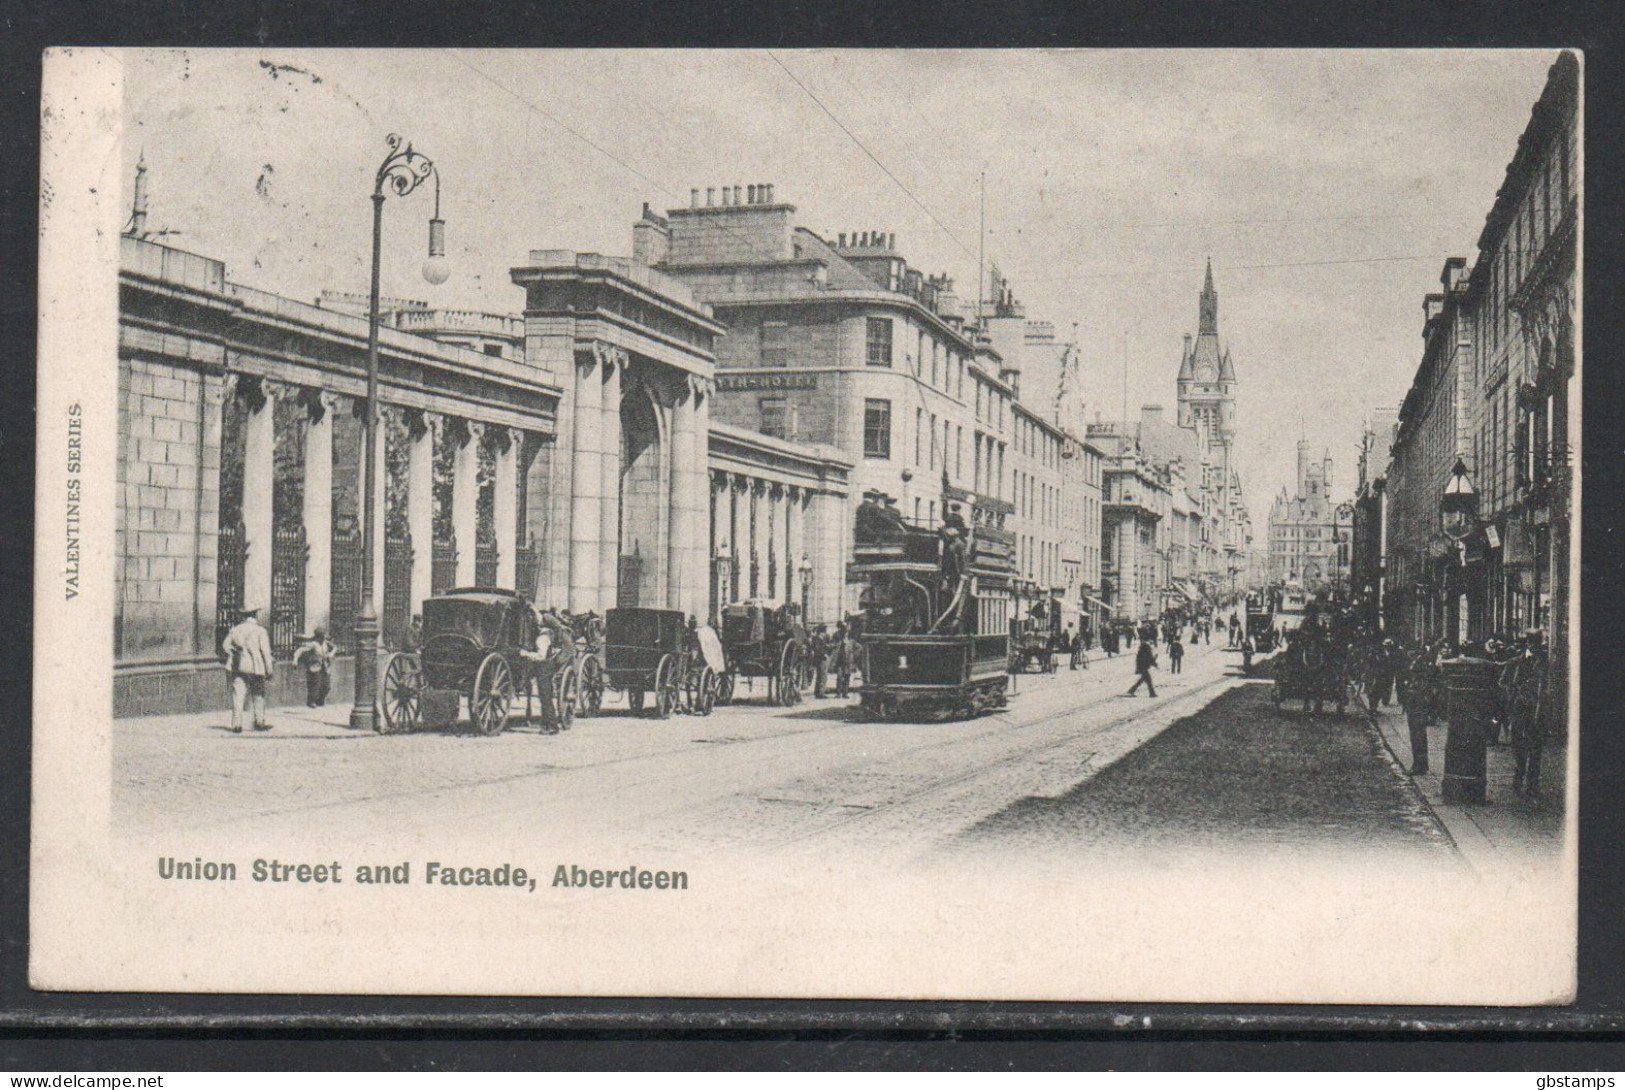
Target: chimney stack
[(769, 192), (693, 198), (138, 210), (710, 196), (840, 240), (891, 242), (736, 194), (750, 195)]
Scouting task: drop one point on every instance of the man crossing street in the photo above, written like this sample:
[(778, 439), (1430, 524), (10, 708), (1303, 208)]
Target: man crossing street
[(247, 651), (1144, 660)]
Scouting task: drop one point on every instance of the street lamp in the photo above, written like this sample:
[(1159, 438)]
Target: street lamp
[(806, 569), (1469, 681), (402, 170), (1458, 507)]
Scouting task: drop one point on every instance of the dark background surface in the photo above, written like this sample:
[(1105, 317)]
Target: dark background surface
[(126, 1032)]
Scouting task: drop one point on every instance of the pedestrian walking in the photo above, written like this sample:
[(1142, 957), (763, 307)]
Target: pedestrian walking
[(1079, 659), (1527, 699), (247, 653), (1144, 661), (1176, 656), (1421, 703), (843, 661), (819, 649), (315, 658)]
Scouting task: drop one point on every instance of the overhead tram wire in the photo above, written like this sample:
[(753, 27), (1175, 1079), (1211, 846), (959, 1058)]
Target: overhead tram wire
[(872, 156), (674, 194)]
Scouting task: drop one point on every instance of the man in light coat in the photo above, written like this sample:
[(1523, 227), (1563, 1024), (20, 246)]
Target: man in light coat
[(247, 651)]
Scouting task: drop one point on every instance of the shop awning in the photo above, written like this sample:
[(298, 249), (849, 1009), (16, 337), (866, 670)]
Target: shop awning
[(1190, 593), (1104, 608)]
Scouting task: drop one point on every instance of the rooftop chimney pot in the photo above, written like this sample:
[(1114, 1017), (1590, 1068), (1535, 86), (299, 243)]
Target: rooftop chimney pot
[(693, 198), (710, 196)]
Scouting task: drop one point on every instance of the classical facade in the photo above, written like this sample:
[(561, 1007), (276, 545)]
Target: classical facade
[(568, 454), (240, 471)]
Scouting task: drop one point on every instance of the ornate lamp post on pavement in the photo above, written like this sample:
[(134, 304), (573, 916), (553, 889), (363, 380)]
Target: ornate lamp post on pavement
[(402, 170), (1469, 681)]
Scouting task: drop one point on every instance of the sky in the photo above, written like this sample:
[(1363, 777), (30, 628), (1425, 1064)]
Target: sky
[(1327, 187)]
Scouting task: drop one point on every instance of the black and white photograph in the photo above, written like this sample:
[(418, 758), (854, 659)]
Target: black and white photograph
[(1009, 524)]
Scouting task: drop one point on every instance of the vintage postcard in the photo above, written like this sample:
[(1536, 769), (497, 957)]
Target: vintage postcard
[(1064, 525)]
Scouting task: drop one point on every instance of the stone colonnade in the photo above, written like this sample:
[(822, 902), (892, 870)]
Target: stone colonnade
[(763, 545), (423, 429)]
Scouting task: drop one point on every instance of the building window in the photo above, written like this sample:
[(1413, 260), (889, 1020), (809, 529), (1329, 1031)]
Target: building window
[(876, 427), (775, 417), (775, 344), (879, 342)]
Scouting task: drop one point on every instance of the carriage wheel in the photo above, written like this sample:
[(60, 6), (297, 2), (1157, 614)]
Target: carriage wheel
[(668, 687), (566, 693), (703, 694), (789, 677), (402, 698), (725, 688), (491, 698), (634, 701), (590, 686)]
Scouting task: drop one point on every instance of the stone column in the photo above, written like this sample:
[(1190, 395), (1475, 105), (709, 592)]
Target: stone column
[(420, 504), (465, 491), (759, 501), (318, 512), (586, 475), (721, 529), (739, 535), (797, 546), (684, 589), (699, 564), (387, 416), (505, 506), (611, 362), (259, 472)]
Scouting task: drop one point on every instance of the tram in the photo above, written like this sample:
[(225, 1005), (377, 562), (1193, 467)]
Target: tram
[(934, 623)]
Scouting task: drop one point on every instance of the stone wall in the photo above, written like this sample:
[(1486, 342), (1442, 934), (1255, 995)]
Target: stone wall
[(168, 510)]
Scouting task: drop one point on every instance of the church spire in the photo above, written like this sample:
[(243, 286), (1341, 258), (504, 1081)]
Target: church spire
[(1209, 318)]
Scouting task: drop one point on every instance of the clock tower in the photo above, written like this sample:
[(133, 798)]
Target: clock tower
[(1207, 379)]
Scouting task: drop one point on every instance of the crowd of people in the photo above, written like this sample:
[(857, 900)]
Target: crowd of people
[(1390, 672)]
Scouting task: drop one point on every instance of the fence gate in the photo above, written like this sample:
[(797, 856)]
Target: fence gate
[(346, 585), (289, 555), (398, 604), (629, 583), (528, 572), (485, 563), (443, 574), (229, 575)]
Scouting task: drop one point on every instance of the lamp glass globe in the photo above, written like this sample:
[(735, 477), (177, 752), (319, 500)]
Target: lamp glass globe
[(436, 270)]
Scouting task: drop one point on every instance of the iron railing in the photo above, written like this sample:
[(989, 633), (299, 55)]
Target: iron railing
[(346, 585), (289, 556), (233, 554), (443, 574), (487, 557), (398, 604)]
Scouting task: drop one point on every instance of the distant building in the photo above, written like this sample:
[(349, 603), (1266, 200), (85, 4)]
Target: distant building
[(1304, 535), (1369, 540)]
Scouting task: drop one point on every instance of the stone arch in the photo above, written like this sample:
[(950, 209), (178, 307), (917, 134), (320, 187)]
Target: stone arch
[(644, 492)]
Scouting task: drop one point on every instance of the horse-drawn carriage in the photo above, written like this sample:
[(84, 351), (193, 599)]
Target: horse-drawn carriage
[(1315, 671), (651, 654), (1034, 641), (478, 644), (763, 641), (934, 626)]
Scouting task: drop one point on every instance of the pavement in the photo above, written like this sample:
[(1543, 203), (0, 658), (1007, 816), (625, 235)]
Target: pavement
[(1506, 830), (1072, 765)]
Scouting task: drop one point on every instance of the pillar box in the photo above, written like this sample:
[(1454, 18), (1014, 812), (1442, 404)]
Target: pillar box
[(1469, 691)]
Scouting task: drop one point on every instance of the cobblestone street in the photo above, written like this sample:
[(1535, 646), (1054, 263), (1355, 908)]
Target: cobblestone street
[(1235, 777)]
